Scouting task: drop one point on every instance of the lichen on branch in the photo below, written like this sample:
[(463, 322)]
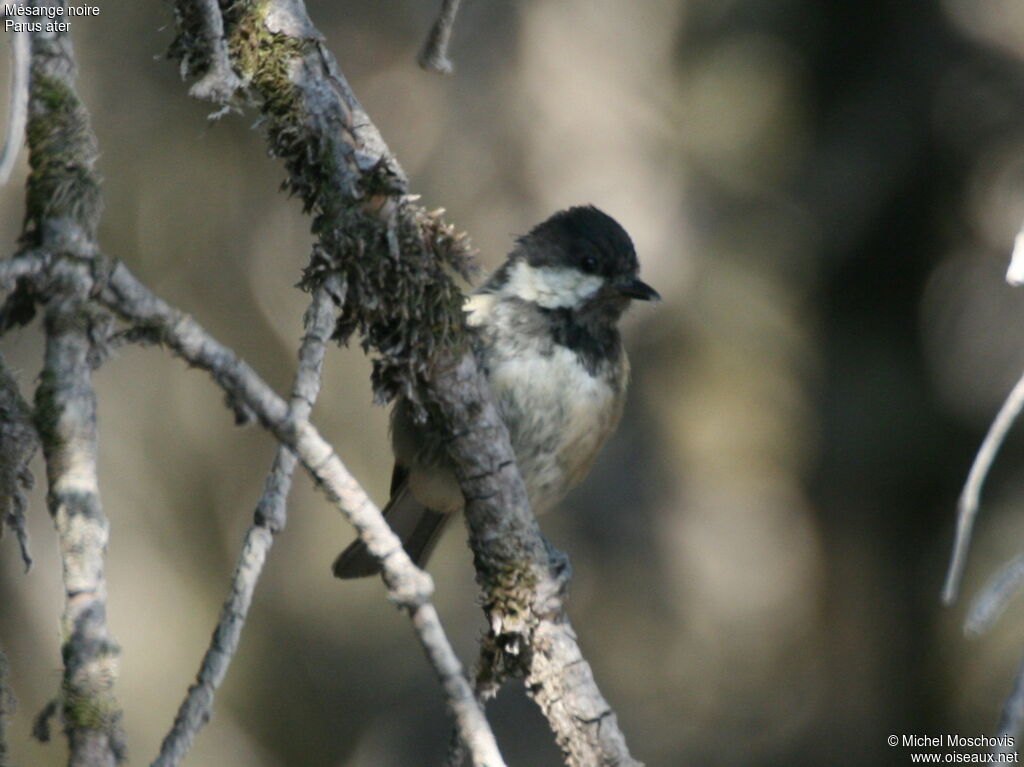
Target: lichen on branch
[(395, 259)]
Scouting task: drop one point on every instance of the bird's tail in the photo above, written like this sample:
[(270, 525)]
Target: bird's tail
[(418, 527)]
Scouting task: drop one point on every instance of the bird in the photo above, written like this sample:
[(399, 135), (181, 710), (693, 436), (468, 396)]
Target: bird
[(544, 330)]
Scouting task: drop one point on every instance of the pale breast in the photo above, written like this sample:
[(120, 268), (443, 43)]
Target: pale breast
[(558, 414)]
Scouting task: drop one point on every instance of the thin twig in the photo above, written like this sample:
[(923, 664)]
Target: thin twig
[(992, 600), (220, 81), (17, 115), (408, 586), (434, 55), (967, 508), (269, 519)]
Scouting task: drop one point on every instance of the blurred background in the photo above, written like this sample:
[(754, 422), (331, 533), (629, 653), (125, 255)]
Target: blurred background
[(824, 193)]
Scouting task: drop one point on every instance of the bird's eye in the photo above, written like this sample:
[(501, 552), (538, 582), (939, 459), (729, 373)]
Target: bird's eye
[(589, 264)]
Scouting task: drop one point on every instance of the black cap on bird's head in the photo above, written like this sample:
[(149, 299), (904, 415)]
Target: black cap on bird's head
[(586, 239)]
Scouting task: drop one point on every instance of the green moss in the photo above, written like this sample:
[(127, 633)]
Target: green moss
[(511, 590), (89, 712), (62, 182), (400, 297)]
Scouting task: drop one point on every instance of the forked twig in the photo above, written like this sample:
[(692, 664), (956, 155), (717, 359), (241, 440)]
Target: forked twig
[(408, 586), (268, 520)]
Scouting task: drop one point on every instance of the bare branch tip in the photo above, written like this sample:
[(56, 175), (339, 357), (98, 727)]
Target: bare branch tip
[(967, 508), (434, 55), (435, 61)]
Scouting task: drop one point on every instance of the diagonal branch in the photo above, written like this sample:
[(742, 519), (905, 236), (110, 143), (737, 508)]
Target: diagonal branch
[(408, 586), (434, 56), (340, 166), (990, 603), (524, 580), (270, 518)]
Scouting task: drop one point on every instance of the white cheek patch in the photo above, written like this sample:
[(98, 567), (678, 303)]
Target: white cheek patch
[(478, 307), (552, 287)]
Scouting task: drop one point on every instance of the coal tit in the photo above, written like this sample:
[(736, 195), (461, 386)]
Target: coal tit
[(545, 333)]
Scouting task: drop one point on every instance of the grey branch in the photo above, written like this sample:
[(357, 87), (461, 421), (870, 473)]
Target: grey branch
[(17, 114), (524, 578), (66, 408), (408, 586), (968, 506), (524, 582), (270, 518), (434, 55), (62, 217), (992, 600), (220, 81)]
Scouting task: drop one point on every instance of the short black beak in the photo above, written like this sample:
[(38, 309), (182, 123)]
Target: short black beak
[(638, 290)]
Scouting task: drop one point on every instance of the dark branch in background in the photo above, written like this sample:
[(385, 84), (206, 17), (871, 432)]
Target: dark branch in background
[(14, 135), (63, 210), (270, 518), (434, 56), (408, 311), (18, 443)]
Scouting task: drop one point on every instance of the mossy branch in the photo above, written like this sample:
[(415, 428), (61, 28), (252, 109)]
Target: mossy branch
[(407, 310)]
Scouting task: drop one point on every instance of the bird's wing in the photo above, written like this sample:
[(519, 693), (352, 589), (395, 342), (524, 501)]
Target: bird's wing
[(418, 527)]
